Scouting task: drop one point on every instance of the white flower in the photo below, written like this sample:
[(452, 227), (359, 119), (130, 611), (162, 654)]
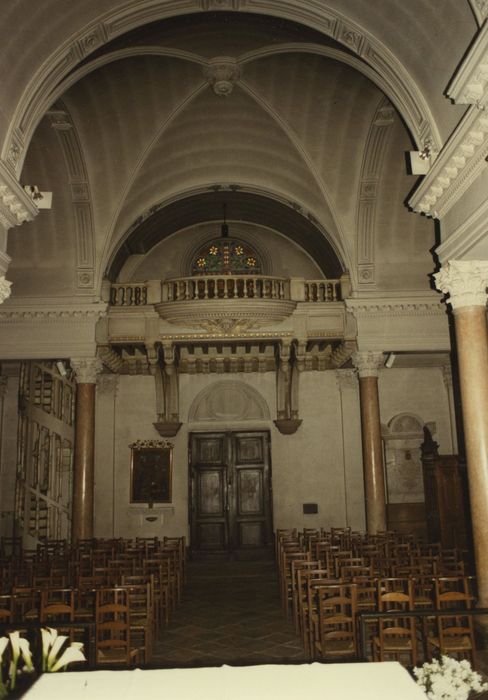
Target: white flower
[(69, 655), (52, 644)]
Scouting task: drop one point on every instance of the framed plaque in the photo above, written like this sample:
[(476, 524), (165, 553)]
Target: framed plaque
[(151, 472)]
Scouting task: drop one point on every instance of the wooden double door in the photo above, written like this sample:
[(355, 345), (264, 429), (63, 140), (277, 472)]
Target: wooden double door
[(230, 491)]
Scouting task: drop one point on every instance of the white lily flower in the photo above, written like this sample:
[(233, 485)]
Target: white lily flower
[(55, 649), (26, 653), (3, 645), (14, 641), (67, 657)]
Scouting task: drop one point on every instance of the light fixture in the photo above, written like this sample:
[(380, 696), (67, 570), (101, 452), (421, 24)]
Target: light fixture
[(42, 200), (60, 366), (390, 359)]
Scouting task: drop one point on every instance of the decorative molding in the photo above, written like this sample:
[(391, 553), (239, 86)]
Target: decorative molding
[(42, 314), (207, 5), (395, 307), (110, 359), (368, 362), (144, 444), (470, 233), (458, 165), (342, 353), (470, 85), (16, 206), (5, 290), (61, 121), (222, 73), (226, 315), (288, 426), (368, 190), (465, 281), (59, 118), (86, 369)]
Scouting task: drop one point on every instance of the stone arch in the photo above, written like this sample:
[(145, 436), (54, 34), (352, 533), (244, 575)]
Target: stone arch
[(403, 462), (42, 88), (228, 401)]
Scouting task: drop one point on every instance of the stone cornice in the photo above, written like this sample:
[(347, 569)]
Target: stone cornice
[(421, 306), (458, 165), (62, 313), (470, 85), (468, 235), (15, 204), (465, 281)]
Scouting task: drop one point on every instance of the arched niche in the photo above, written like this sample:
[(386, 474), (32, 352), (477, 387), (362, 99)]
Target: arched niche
[(402, 439), (228, 401)]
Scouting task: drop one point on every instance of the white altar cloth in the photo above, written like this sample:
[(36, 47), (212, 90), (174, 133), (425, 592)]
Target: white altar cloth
[(368, 681)]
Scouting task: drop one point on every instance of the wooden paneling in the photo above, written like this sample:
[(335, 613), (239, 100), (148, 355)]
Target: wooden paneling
[(230, 491)]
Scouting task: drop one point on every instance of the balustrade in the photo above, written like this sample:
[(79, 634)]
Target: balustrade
[(226, 287), (128, 294), (323, 290)]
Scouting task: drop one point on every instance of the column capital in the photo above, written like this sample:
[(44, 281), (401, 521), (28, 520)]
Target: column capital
[(86, 369), (367, 362), (465, 281), (4, 288)]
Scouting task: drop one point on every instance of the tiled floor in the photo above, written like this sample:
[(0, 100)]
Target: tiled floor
[(230, 614)]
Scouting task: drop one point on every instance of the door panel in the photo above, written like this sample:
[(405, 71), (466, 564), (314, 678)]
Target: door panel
[(230, 491)]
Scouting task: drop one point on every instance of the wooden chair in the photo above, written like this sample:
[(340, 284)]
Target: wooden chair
[(57, 607), (397, 634), (335, 633), (141, 618), (112, 629), (455, 632)]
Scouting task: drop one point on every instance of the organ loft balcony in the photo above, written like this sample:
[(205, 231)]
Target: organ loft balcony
[(228, 305)]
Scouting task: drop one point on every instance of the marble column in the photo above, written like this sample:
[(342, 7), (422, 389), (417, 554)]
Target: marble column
[(367, 364), (84, 463), (466, 281)]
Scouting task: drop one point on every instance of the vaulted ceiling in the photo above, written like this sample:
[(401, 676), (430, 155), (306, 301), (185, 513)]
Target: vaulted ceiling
[(127, 131)]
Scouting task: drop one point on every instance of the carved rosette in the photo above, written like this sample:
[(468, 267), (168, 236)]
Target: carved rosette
[(367, 362), (222, 73), (86, 369), (465, 281), (4, 288)]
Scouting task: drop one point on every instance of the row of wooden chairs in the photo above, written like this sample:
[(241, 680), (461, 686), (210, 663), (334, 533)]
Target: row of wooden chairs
[(324, 597), (128, 599)]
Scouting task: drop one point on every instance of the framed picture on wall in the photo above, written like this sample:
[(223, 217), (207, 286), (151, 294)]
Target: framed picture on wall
[(151, 472)]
